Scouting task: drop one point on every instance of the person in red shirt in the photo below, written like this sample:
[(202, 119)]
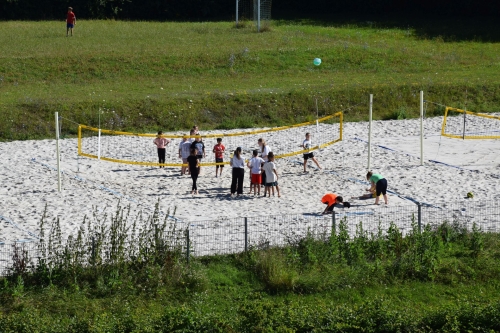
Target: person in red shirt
[(330, 200), (70, 21), (219, 150)]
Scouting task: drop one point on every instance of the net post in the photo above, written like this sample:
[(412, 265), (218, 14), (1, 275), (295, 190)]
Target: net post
[(419, 218), (443, 126), (465, 114), (58, 153), (246, 234), (317, 117), (188, 246), (79, 139), (341, 124), (99, 145), (421, 127), (370, 131), (334, 224), (237, 13), (258, 15)]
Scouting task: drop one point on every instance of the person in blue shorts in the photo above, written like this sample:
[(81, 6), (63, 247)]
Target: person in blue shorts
[(70, 21)]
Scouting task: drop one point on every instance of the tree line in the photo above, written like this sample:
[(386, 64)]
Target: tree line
[(198, 10)]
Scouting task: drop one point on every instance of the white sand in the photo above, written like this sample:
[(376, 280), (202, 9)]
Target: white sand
[(89, 185)]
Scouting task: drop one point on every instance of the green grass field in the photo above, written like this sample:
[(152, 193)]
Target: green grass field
[(171, 75)]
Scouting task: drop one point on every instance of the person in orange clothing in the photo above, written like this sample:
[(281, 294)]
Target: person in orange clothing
[(330, 200)]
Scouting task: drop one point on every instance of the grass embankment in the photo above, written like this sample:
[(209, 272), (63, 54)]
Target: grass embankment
[(440, 280), (145, 76)]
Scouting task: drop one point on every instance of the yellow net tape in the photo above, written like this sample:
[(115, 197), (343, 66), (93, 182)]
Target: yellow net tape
[(169, 136), (478, 135)]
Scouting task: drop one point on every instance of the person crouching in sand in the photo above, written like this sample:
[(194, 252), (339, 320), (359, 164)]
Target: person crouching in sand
[(330, 200), (379, 186)]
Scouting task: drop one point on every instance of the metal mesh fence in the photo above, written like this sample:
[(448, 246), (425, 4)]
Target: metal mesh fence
[(18, 256), (485, 214), (235, 235)]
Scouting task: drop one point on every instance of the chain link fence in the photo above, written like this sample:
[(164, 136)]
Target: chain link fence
[(236, 235)]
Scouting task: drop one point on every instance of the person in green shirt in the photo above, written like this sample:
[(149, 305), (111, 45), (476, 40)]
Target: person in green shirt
[(378, 185)]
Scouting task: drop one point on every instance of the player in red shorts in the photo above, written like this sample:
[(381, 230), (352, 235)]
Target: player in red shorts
[(70, 21), (255, 164)]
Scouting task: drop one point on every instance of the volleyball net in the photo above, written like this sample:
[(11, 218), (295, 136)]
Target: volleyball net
[(461, 124), (138, 148)]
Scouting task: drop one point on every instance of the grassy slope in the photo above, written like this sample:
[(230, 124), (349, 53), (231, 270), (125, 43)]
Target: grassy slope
[(212, 74)]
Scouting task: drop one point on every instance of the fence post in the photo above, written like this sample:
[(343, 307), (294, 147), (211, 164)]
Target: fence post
[(334, 224), (188, 246), (419, 217), (246, 234), (93, 250)]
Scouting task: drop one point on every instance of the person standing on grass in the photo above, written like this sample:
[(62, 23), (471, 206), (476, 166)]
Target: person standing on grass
[(219, 150), (161, 143), (70, 21), (238, 165), (269, 169), (306, 145), (378, 185), (255, 165), (200, 148), (194, 169), (264, 151)]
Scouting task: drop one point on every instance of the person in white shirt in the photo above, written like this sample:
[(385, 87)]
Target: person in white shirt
[(238, 165), (306, 145), (255, 165), (264, 151), (269, 169)]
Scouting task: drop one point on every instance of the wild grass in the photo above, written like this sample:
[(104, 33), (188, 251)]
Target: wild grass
[(437, 280), (172, 75)]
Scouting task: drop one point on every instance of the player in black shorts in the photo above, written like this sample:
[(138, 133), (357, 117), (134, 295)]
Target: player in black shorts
[(306, 145)]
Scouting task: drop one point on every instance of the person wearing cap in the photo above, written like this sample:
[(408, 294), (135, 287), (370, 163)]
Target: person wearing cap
[(238, 165), (330, 200)]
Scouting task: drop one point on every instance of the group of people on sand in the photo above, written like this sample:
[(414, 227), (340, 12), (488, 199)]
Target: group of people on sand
[(263, 171), (377, 189)]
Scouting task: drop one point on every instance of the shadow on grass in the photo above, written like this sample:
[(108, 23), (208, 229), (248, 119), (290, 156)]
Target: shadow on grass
[(447, 29)]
